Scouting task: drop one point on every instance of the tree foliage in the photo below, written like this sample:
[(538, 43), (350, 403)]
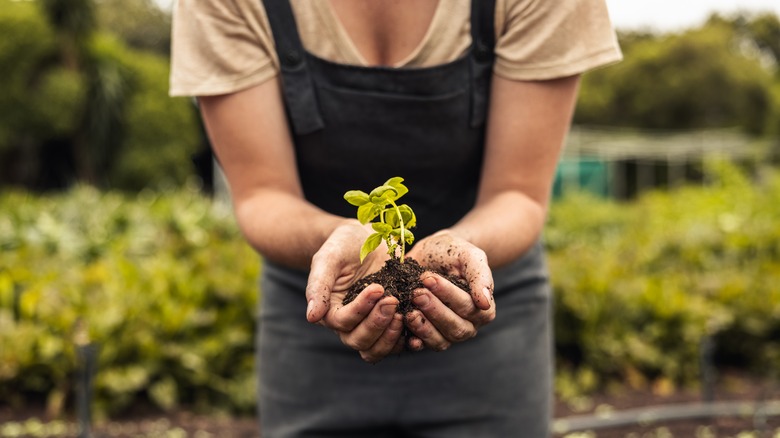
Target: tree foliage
[(139, 23), (713, 76), (79, 105)]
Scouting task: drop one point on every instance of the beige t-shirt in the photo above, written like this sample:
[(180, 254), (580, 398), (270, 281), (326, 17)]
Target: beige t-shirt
[(222, 46)]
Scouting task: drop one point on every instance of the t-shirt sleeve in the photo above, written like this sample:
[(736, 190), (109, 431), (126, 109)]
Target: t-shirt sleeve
[(547, 39), (218, 47)]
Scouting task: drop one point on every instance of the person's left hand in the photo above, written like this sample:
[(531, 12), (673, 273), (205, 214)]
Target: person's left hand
[(445, 313)]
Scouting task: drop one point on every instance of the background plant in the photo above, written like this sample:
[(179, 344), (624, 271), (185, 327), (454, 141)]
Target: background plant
[(79, 105), (163, 283), (167, 287)]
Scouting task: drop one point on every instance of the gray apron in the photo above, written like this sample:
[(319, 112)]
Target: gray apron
[(353, 128)]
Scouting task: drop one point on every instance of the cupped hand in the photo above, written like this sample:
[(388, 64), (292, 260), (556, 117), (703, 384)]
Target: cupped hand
[(445, 313), (369, 323)]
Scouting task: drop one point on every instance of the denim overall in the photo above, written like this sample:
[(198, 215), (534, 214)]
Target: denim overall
[(353, 128)]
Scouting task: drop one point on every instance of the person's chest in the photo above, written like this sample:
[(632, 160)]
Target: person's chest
[(396, 33), (384, 32)]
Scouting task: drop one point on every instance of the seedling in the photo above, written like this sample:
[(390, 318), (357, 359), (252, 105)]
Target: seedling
[(394, 220)]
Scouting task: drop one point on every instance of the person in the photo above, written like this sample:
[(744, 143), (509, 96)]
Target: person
[(469, 102)]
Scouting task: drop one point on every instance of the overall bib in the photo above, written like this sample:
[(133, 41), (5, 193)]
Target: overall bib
[(353, 128)]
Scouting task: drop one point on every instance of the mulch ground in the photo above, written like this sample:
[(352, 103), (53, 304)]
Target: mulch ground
[(187, 424)]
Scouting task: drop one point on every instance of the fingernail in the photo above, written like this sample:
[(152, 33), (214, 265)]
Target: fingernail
[(422, 300), (429, 283), (309, 308), (487, 294), (387, 309)]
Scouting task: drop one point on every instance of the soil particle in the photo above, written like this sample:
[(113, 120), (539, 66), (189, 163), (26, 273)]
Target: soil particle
[(400, 280)]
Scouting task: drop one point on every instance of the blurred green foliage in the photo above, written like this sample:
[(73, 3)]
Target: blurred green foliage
[(166, 287), (139, 23), (85, 90), (718, 75), (639, 286), (162, 282), (79, 105)]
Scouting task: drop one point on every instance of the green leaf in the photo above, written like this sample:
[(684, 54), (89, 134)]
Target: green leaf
[(395, 182), (356, 197), (391, 217), (383, 229), (410, 220), (409, 237), (367, 212), (382, 194), (407, 214), (371, 243)]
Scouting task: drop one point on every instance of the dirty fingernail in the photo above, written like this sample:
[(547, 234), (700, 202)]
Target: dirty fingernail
[(422, 300), (487, 294), (387, 309), (429, 282), (310, 307)]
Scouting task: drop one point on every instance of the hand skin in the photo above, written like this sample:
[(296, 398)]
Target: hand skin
[(368, 324), (445, 313)]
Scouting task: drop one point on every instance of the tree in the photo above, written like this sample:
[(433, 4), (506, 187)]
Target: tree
[(139, 23), (701, 78), (77, 105), (75, 24), (762, 30)]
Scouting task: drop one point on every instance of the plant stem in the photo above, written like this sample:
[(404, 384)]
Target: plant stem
[(403, 228)]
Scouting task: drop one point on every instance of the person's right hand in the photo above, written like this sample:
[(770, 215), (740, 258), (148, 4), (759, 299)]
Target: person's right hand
[(369, 323)]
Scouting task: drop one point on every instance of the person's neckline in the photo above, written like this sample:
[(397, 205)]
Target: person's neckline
[(405, 60)]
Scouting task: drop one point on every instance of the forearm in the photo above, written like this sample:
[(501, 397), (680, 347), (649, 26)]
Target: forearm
[(249, 133), (505, 226), (525, 134), (284, 228)]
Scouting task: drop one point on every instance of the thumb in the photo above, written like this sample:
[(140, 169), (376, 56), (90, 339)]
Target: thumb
[(322, 277), (318, 296)]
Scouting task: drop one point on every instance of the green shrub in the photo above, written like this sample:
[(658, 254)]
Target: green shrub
[(639, 286), (166, 287), (163, 283)]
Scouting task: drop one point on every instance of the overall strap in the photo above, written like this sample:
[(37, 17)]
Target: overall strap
[(299, 95), (483, 42)]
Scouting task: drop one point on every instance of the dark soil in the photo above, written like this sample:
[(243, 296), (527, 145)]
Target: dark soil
[(400, 280)]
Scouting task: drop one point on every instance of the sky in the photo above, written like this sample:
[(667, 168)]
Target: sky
[(673, 15)]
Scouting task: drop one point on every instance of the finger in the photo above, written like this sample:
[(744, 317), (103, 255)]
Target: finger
[(449, 294), (449, 324), (415, 344), (322, 277), (400, 344), (454, 298), (370, 329), (469, 262), (423, 329), (346, 318), (387, 343), (477, 271)]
